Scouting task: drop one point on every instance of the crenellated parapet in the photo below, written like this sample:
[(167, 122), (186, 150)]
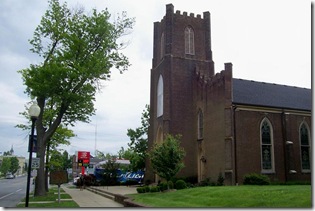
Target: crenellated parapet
[(220, 78), (170, 9)]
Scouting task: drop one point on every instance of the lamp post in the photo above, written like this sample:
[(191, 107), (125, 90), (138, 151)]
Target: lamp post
[(33, 111)]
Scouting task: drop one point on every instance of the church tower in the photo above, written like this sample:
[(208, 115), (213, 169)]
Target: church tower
[(229, 127), (182, 47)]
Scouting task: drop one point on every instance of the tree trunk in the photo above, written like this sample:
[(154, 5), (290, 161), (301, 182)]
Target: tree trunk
[(43, 135), (40, 189), (47, 167)]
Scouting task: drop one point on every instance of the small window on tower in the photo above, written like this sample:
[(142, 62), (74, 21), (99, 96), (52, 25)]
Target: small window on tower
[(162, 45), (160, 97), (189, 41)]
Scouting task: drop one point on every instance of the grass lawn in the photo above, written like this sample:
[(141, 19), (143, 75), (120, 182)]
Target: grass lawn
[(50, 200), (269, 196)]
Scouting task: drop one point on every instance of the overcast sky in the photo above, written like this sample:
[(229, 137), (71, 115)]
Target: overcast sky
[(267, 41)]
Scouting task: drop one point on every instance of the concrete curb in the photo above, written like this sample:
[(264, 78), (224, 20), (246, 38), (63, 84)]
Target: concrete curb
[(122, 199)]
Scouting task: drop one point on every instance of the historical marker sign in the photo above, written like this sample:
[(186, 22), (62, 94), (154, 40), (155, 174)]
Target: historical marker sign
[(58, 177)]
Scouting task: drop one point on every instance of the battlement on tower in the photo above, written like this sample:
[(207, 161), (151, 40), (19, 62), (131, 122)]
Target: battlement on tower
[(206, 79), (170, 9)]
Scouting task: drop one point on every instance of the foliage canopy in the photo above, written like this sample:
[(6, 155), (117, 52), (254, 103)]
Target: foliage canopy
[(78, 52), (139, 141), (167, 157)]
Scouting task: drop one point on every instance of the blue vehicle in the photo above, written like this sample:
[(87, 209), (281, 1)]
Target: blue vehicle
[(122, 176)]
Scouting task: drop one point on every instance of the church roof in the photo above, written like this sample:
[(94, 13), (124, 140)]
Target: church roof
[(271, 95)]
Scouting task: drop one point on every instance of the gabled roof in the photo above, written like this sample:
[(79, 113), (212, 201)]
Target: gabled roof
[(271, 95)]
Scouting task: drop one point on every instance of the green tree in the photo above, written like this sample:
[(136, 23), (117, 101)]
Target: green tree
[(9, 164), (5, 165), (125, 154), (7, 153), (139, 141), (99, 154), (107, 156), (167, 157), (110, 172), (78, 52), (66, 160), (60, 160), (14, 167)]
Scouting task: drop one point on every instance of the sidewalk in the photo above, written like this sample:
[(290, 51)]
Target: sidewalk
[(86, 198)]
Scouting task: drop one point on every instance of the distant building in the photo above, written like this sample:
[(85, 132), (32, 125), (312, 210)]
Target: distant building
[(229, 127)]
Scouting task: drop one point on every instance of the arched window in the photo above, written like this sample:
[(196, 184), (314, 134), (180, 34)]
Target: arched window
[(162, 45), (200, 124), (305, 147), (266, 139), (189, 41), (160, 97)]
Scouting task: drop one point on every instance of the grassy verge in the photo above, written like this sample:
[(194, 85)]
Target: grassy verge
[(291, 196), (51, 200)]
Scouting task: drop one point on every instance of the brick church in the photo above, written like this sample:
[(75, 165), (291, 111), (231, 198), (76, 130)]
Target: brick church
[(229, 127)]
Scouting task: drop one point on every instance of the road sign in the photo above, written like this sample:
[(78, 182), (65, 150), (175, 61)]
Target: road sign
[(35, 163), (34, 173)]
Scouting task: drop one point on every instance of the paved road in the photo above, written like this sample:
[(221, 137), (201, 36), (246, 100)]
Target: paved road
[(12, 191)]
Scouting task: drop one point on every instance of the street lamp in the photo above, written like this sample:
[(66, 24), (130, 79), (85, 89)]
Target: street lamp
[(33, 111)]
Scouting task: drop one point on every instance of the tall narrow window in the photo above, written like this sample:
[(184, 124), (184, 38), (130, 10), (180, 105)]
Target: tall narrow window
[(305, 147), (266, 136), (162, 46), (160, 97), (189, 41), (200, 124)]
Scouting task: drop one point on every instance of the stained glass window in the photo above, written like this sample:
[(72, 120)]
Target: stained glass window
[(266, 146), (305, 155)]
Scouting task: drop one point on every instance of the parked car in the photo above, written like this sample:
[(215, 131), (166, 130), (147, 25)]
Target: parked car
[(9, 176)]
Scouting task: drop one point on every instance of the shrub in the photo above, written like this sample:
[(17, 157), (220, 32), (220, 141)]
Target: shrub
[(220, 181), (205, 182), (191, 179), (180, 184), (291, 183), (170, 185), (256, 179), (163, 186), (147, 188), (141, 190), (155, 189)]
